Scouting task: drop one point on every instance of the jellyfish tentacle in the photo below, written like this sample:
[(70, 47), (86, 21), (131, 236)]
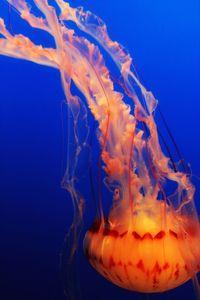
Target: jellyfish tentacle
[(22, 47)]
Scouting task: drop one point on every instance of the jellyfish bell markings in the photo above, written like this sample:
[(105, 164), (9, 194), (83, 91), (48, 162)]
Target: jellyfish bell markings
[(149, 242)]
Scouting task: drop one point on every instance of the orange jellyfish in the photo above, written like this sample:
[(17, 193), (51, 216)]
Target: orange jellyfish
[(150, 240)]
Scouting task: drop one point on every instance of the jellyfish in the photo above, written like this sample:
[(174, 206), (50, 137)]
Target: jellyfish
[(149, 240)]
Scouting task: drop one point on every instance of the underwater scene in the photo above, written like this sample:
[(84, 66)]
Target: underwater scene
[(100, 164)]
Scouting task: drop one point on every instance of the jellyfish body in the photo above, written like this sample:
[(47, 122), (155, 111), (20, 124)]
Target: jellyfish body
[(150, 239), (147, 256)]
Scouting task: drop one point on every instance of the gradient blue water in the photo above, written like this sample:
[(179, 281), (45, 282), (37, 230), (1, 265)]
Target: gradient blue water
[(164, 39)]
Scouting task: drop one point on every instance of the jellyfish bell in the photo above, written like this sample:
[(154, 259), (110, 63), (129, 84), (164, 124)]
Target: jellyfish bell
[(151, 250)]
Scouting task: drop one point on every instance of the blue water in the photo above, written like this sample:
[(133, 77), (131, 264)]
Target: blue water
[(164, 40)]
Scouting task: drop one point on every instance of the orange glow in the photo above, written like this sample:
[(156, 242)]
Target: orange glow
[(148, 256), (150, 240)]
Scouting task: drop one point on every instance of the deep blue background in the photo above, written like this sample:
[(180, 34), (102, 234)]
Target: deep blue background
[(164, 40)]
